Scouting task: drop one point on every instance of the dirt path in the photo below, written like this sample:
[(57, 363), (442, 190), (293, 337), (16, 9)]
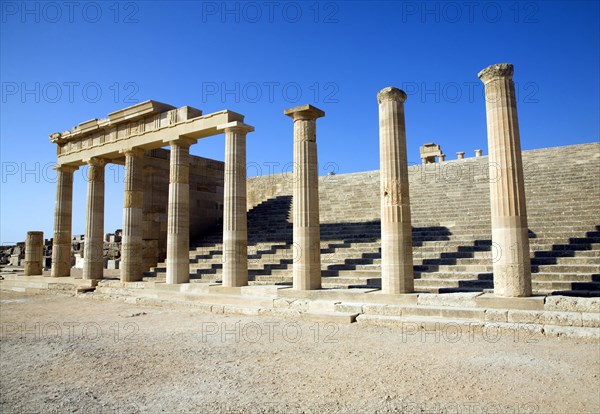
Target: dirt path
[(76, 354)]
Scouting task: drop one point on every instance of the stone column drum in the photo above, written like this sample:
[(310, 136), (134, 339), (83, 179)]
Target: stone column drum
[(307, 236), (512, 269), (131, 243), (34, 253), (396, 229), (178, 220), (93, 250), (235, 230), (61, 245)]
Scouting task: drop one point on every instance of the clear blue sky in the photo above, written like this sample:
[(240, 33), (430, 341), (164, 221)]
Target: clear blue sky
[(64, 64)]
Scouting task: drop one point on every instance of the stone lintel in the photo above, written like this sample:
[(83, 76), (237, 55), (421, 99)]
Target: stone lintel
[(235, 126), (126, 115), (497, 71), (195, 128), (307, 112), (391, 93), (139, 110)]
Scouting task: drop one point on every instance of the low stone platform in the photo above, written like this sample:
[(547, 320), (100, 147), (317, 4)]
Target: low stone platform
[(447, 314), (35, 284)]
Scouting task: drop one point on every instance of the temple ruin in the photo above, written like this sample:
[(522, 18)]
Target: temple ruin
[(200, 227)]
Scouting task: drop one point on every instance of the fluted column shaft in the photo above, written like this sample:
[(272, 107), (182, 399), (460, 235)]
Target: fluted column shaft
[(307, 236), (396, 230), (61, 245), (512, 267), (178, 220), (235, 230), (34, 253), (131, 243), (93, 263)]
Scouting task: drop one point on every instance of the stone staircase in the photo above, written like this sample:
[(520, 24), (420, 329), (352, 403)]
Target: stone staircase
[(452, 244)]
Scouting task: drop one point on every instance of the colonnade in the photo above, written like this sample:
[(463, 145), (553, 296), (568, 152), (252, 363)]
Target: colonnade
[(512, 273), (178, 212)]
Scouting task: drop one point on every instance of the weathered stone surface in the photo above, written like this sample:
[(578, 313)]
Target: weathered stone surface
[(466, 300), (494, 315), (488, 300), (178, 233), (34, 252), (93, 253), (235, 233), (396, 230), (61, 249), (131, 245), (512, 267), (572, 304), (307, 267)]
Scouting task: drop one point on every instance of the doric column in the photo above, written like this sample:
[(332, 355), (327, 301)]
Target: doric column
[(460, 155), (396, 230), (178, 220), (307, 266), (478, 153), (93, 263), (34, 253), (235, 232), (131, 242), (512, 269), (61, 245)]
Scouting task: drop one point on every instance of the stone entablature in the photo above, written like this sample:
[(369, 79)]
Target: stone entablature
[(148, 125), (430, 151), (134, 136)]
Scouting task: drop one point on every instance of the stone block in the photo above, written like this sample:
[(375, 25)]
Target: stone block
[(349, 307), (495, 315), (460, 300), (572, 304), (112, 264), (525, 316), (489, 300), (382, 310)]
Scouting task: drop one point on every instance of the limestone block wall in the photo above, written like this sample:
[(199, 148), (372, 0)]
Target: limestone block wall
[(559, 182), (206, 201)]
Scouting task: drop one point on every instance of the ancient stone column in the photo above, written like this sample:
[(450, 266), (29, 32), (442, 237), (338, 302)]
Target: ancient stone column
[(61, 245), (478, 153), (460, 155), (131, 242), (307, 233), (235, 231), (442, 157), (512, 269), (178, 220), (396, 229), (93, 263), (34, 253)]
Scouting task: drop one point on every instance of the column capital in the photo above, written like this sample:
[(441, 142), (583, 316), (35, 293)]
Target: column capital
[(96, 162), (304, 112), (180, 141), (391, 93), (235, 126), (65, 168), (497, 71), (133, 151)]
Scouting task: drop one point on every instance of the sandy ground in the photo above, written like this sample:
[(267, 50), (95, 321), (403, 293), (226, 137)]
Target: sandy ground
[(79, 355)]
